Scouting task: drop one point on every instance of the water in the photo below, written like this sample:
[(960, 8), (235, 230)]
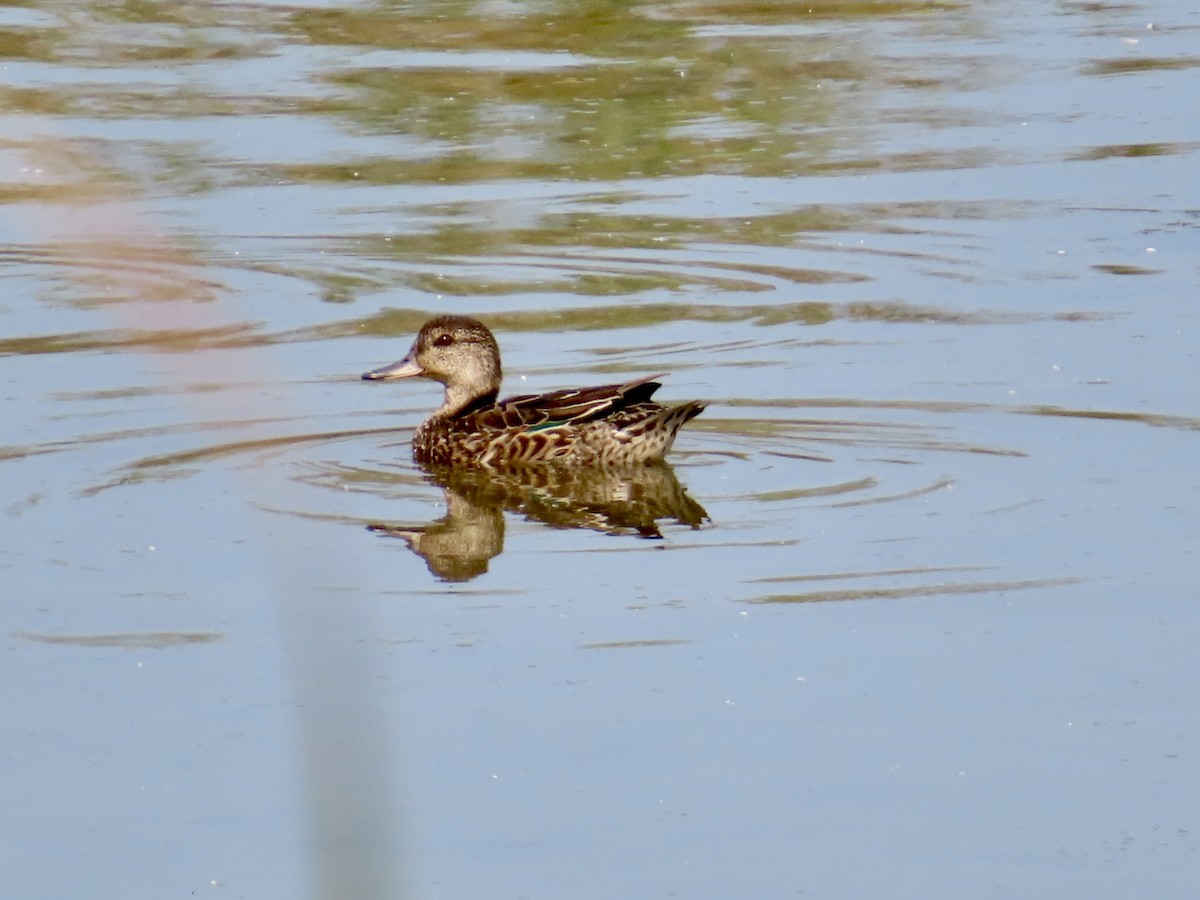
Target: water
[(934, 269)]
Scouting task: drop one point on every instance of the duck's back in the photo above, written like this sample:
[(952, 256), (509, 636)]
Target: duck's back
[(615, 424)]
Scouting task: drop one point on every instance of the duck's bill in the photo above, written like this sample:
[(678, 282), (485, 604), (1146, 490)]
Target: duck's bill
[(405, 368)]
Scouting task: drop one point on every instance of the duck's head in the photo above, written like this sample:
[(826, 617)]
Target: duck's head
[(457, 351)]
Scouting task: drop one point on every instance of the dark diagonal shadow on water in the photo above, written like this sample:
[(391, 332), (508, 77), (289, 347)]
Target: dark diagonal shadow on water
[(132, 640), (924, 588)]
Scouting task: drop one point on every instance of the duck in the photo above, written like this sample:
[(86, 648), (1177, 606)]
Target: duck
[(607, 425)]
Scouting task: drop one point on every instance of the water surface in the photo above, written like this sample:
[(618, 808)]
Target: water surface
[(931, 631)]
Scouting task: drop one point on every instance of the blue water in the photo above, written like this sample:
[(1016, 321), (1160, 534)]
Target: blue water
[(934, 269)]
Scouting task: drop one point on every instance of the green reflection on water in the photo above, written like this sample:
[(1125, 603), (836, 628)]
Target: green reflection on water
[(586, 91)]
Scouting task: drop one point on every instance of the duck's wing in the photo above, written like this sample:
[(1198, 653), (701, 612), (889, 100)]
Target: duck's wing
[(573, 406)]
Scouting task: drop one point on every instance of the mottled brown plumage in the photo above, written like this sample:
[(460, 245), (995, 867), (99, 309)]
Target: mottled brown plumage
[(614, 424)]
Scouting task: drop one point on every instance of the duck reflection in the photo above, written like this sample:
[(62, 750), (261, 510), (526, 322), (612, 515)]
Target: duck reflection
[(625, 500)]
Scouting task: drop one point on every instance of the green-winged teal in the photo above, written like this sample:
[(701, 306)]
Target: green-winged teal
[(614, 424)]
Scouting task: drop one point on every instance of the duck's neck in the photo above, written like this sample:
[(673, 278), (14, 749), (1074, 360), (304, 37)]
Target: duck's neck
[(460, 400)]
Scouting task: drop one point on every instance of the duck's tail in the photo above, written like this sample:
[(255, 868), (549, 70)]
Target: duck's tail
[(656, 433)]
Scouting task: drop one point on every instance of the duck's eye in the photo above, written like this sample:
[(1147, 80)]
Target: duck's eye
[(443, 340)]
